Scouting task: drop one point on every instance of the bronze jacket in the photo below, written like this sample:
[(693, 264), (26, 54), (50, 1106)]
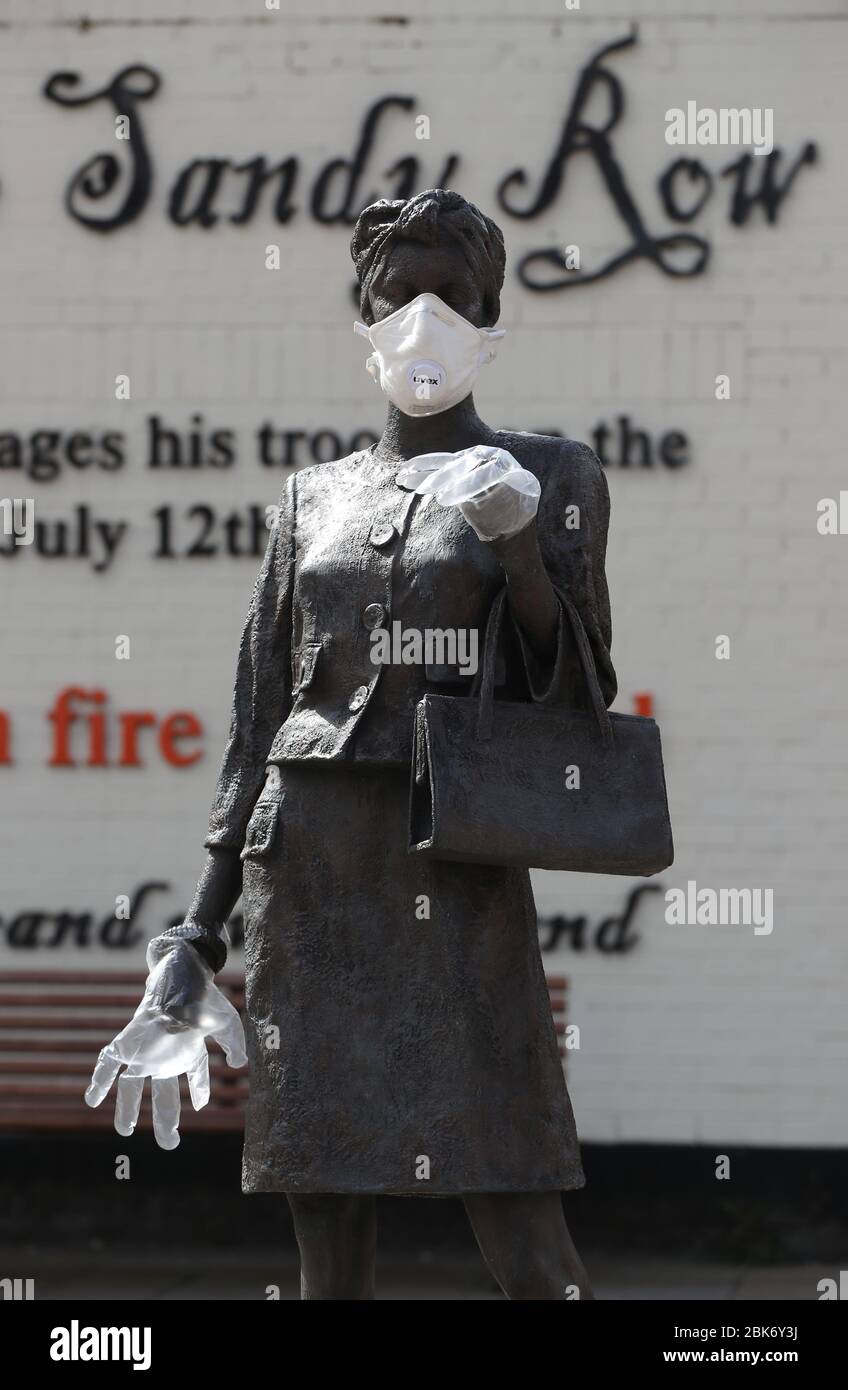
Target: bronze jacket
[(352, 552)]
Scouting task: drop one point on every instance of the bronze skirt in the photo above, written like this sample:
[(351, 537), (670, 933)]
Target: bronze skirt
[(399, 1029)]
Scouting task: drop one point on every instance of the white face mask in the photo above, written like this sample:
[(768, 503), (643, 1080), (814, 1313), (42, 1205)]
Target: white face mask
[(426, 357)]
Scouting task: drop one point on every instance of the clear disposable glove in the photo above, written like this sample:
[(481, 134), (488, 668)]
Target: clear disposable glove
[(496, 496), (181, 1007)]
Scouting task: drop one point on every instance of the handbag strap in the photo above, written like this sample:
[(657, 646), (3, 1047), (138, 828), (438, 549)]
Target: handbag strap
[(584, 651), (485, 686)]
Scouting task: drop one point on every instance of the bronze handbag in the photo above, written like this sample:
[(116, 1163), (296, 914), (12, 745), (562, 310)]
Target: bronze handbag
[(493, 781)]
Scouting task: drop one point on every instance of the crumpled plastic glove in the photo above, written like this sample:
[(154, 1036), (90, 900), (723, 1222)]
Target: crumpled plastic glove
[(157, 1044), (497, 497)]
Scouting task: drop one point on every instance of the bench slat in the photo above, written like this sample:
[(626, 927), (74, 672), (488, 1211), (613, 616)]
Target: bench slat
[(59, 1026)]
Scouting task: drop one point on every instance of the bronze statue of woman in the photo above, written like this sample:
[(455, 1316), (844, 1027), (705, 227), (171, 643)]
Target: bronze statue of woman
[(399, 1032)]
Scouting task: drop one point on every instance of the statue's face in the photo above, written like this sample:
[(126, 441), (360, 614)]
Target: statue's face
[(411, 268)]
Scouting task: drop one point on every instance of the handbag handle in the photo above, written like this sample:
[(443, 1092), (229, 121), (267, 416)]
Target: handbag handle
[(584, 652)]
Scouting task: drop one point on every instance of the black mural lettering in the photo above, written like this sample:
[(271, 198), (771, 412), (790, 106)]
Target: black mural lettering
[(325, 445), (575, 135), (259, 175), (119, 934), (101, 175), (211, 172), (559, 927), (72, 929), (578, 135), (445, 178), (770, 193), (195, 198), (405, 172), (22, 931), (362, 439), (669, 191), (32, 928), (613, 934), (351, 169)]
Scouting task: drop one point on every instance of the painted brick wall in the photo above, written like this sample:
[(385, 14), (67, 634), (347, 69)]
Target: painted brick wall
[(705, 1034)]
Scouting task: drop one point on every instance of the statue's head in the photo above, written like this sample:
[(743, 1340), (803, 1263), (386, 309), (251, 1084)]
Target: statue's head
[(435, 243)]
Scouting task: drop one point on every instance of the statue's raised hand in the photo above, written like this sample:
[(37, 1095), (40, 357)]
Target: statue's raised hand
[(181, 1007)]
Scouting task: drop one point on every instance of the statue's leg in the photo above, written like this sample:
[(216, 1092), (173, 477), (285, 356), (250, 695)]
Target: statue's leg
[(337, 1238), (526, 1244)]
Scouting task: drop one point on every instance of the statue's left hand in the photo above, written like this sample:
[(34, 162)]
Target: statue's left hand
[(496, 496)]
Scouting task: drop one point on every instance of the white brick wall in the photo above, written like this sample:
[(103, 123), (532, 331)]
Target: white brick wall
[(699, 1034)]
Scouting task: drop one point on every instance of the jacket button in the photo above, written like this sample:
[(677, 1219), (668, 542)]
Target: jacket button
[(374, 615), (382, 535), (358, 698)]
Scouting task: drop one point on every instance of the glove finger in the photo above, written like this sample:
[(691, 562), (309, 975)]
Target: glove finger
[(128, 1103), (461, 487), (448, 475), (198, 1081), (166, 1111), (230, 1035), (487, 479), (106, 1068), (417, 469)]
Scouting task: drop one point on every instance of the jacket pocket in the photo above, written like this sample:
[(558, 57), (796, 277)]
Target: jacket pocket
[(262, 827), (306, 662)]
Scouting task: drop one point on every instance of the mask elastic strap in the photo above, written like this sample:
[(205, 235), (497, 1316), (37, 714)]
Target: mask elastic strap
[(362, 329), (487, 354)]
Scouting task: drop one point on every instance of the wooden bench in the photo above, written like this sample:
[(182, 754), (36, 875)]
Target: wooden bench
[(53, 1024)]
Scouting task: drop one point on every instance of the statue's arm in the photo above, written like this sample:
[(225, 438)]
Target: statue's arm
[(261, 702), (218, 890), (551, 551), (532, 600)]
